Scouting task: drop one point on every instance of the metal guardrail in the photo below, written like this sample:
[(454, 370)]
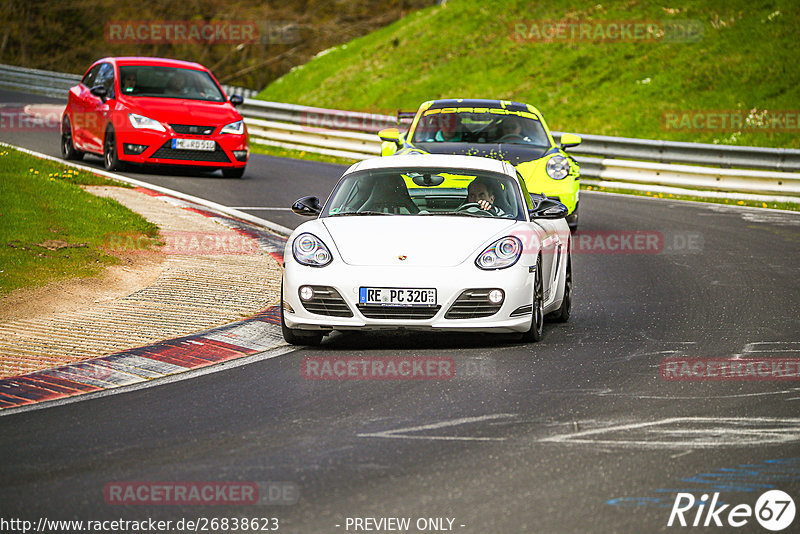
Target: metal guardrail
[(56, 84), (43, 82), (780, 159), (613, 159)]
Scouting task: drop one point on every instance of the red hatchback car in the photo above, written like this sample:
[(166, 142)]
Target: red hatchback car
[(156, 112)]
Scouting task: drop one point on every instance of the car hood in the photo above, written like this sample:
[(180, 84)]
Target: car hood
[(421, 240), (512, 153), (177, 111)]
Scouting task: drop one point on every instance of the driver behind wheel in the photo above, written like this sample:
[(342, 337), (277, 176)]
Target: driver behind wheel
[(480, 191)]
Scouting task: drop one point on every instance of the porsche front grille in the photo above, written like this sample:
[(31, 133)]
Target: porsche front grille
[(377, 311), (326, 301), (472, 304)]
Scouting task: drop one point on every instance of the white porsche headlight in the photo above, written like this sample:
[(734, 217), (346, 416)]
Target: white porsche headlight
[(557, 167), (141, 122), (233, 128), (501, 254), (309, 250)]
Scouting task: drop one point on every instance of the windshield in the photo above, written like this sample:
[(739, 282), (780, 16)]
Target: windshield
[(168, 82), (426, 192), (480, 126)]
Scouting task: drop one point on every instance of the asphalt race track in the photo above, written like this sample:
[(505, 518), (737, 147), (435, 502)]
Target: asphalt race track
[(578, 433)]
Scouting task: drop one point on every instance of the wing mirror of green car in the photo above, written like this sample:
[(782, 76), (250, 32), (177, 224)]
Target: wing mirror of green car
[(570, 140), (391, 135)]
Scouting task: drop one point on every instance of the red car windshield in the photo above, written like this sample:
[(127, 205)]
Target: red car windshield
[(168, 82)]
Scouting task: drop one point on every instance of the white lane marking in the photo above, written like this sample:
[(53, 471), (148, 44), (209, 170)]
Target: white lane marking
[(400, 433), (608, 392), (771, 218), (261, 208), (767, 347), (740, 431), (222, 366)]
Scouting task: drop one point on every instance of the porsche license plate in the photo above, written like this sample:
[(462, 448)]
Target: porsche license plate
[(194, 144), (397, 296)]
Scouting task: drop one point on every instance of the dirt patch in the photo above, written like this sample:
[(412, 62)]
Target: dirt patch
[(137, 271)]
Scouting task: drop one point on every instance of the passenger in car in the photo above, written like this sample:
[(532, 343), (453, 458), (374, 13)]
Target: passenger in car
[(129, 83)]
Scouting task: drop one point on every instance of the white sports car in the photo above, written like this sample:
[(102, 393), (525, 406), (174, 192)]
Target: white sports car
[(427, 242)]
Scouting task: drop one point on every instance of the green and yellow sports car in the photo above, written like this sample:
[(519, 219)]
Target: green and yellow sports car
[(498, 129)]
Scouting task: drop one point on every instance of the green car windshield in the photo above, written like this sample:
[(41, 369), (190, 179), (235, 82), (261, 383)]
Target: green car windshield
[(168, 82), (427, 192), (487, 126)]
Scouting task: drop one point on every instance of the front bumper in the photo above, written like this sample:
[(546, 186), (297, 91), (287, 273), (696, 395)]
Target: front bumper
[(158, 149), (513, 315)]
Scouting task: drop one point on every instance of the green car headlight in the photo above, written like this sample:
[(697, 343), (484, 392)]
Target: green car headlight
[(557, 167)]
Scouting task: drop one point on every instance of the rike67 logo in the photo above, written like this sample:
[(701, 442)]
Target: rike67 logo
[(774, 510)]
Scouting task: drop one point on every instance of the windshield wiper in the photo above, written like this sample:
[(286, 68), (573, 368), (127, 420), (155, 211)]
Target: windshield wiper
[(461, 214), (359, 213)]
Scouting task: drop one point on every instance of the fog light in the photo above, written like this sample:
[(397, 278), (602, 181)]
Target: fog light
[(306, 293), (134, 149), (496, 296), (240, 155)]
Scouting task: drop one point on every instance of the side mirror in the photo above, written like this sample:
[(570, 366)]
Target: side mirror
[(549, 208), (236, 100), (100, 92), (390, 135), (570, 140), (307, 206)]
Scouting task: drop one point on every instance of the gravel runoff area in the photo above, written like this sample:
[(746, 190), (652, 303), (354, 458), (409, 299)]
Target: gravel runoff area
[(206, 275)]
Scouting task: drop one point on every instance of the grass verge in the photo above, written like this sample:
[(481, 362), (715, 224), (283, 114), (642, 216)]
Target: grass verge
[(741, 60), (51, 229)]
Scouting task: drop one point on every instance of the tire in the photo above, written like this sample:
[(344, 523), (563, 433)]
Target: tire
[(111, 160), (572, 219), (233, 173), (561, 315), (68, 150), (537, 313), (298, 337)]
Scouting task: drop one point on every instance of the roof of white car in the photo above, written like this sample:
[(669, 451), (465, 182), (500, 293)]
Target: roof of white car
[(448, 161)]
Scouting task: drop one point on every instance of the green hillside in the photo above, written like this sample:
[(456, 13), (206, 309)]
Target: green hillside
[(745, 62)]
